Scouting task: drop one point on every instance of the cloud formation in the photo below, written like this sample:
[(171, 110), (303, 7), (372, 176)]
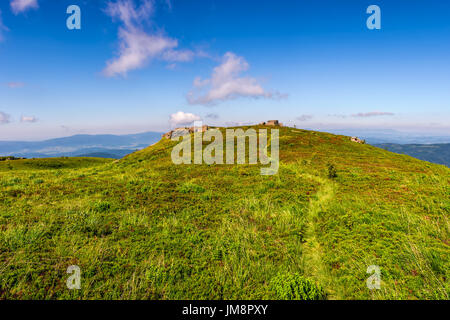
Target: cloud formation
[(30, 119), (178, 55), (137, 46), (4, 118), (238, 123), (19, 6), (304, 117), (182, 118), (342, 116), (372, 114), (212, 116), (227, 83), (15, 85)]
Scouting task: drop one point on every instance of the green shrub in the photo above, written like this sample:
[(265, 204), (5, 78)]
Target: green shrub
[(296, 287), (38, 181), (93, 224), (332, 171), (101, 206), (14, 181)]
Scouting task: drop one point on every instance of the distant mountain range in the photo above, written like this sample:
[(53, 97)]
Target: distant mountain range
[(431, 148), (379, 136), (436, 153), (104, 146)]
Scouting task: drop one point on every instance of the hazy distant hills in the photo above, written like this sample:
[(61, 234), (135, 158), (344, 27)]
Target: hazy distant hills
[(105, 146), (436, 153), (431, 148), (380, 136)]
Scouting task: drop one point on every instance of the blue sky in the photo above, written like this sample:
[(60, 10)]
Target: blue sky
[(150, 65)]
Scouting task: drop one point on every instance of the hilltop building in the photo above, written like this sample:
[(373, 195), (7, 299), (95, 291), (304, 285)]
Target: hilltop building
[(271, 123)]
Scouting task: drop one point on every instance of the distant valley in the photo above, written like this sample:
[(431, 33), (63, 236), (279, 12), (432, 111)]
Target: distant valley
[(103, 146)]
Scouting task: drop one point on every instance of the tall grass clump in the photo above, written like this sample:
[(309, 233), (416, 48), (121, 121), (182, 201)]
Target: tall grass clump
[(296, 287)]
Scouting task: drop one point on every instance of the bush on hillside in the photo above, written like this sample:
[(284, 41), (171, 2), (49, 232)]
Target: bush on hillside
[(332, 171), (296, 287)]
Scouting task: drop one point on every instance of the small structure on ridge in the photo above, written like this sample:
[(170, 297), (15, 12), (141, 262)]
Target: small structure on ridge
[(271, 123), (358, 140)]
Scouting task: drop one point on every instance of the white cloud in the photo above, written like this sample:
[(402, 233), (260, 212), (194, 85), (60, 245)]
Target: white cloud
[(342, 116), (19, 6), (212, 116), (30, 119), (238, 123), (372, 114), (305, 117), (4, 118), (137, 46), (136, 49), (226, 83), (126, 11), (178, 56), (182, 118), (15, 85)]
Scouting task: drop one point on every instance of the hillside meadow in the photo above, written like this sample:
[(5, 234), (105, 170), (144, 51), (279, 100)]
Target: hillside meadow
[(144, 228)]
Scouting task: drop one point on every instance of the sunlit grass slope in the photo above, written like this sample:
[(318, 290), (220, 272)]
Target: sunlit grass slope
[(144, 228)]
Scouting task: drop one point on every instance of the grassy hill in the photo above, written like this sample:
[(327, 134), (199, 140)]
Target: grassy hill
[(144, 228), (12, 166)]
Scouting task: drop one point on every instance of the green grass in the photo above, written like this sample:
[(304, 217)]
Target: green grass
[(51, 163), (143, 228)]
